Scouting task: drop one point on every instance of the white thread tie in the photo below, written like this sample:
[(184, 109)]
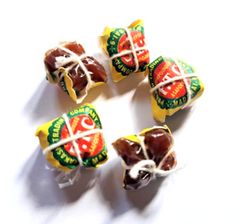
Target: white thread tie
[(76, 60), (143, 165), (72, 138), (68, 179), (62, 61), (183, 77), (149, 165), (132, 51)]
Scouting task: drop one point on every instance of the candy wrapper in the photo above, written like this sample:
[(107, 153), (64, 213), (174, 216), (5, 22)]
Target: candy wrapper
[(146, 156), (73, 140), (174, 85), (68, 66), (126, 49)]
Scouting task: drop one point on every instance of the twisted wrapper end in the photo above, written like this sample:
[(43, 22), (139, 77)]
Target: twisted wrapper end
[(65, 180)]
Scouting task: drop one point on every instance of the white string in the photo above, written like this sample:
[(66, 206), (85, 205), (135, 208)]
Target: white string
[(143, 146), (133, 50), (183, 77), (61, 61), (176, 78), (72, 139), (165, 158), (75, 145), (187, 86), (148, 164), (125, 52)]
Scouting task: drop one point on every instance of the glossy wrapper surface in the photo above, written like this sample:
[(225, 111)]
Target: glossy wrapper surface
[(115, 40), (172, 97), (92, 148)]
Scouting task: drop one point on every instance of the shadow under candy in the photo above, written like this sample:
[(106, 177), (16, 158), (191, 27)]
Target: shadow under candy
[(110, 185), (143, 117), (128, 83), (121, 200), (141, 107), (103, 90), (43, 188), (86, 181), (178, 119), (49, 101), (141, 198)]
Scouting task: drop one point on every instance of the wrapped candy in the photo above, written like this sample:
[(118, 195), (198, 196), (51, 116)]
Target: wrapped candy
[(174, 85), (68, 66), (75, 139), (146, 156), (126, 48)]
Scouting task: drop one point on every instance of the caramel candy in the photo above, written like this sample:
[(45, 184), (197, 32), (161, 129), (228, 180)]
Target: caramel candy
[(69, 67), (146, 156)]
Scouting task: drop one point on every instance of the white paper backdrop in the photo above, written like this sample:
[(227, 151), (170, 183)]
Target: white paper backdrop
[(201, 32)]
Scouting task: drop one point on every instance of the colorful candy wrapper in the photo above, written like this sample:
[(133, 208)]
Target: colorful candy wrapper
[(174, 85), (68, 66), (146, 156), (126, 49), (73, 140)]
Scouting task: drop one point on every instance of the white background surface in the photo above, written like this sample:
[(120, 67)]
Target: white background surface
[(201, 32)]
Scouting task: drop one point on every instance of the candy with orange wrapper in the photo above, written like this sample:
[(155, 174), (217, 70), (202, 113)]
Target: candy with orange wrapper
[(73, 140), (126, 48), (174, 86)]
